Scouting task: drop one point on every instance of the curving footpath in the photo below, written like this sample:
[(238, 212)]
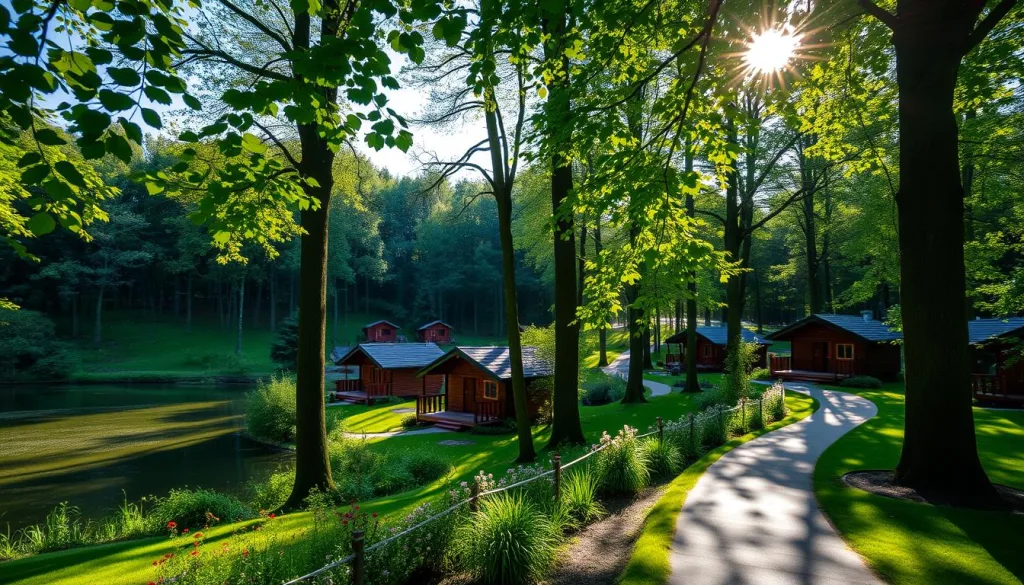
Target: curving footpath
[(620, 367), (752, 518)]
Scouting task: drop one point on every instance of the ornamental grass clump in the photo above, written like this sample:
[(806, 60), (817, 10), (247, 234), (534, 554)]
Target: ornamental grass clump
[(685, 434), (663, 458), (622, 464), (579, 496), (508, 542)]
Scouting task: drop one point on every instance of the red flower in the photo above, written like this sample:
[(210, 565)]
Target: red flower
[(198, 535), (195, 553), (245, 552), (374, 514), (172, 525), (184, 530), (151, 583), (155, 563), (272, 516)]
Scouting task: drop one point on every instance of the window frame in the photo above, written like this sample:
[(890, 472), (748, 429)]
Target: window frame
[(839, 352), (490, 384)]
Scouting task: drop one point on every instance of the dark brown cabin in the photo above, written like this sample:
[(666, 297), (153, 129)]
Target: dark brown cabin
[(478, 386), (711, 349), (997, 371), (435, 332), (828, 348), (381, 332), (387, 369)]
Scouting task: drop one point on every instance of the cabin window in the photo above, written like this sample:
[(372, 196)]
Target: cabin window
[(844, 351), (490, 390)]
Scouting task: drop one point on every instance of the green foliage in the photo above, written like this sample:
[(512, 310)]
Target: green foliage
[(622, 464), (861, 382), (735, 382), (579, 491), (198, 508), (270, 409), (271, 492), (29, 347), (508, 542), (362, 473), (761, 374), (664, 459), (284, 350), (600, 388)]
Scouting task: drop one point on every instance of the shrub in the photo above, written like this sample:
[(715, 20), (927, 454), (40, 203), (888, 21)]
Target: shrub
[(775, 403), (270, 410), (622, 464), (29, 347), (508, 542), (685, 438), (361, 473), (708, 400), (600, 388), (735, 382), (191, 508), (579, 495), (272, 492), (63, 528), (861, 382), (663, 458), (762, 374), (284, 349), (714, 427)]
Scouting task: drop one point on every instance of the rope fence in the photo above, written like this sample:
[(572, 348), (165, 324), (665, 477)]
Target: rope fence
[(358, 557)]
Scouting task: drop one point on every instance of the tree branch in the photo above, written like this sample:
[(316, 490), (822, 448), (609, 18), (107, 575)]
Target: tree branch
[(885, 17), (988, 23), (256, 22)]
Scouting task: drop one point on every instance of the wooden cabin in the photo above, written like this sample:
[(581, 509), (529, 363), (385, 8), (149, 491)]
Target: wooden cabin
[(997, 364), (828, 348), (711, 349), (388, 369), (478, 386), (381, 332), (435, 332)]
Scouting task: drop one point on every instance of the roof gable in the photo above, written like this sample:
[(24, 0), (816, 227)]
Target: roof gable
[(982, 330), (495, 360), (718, 336), (867, 329), (393, 356), (380, 322), (435, 322)]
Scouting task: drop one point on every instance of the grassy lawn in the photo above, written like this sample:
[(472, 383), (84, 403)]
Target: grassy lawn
[(908, 543), (128, 563), (713, 378), (649, 564), (377, 418)]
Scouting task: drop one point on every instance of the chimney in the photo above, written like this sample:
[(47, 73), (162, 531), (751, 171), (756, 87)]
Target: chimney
[(867, 314)]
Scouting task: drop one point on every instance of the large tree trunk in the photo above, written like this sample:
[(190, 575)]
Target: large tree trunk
[(648, 364), (635, 374), (940, 454), (692, 382), (602, 333)]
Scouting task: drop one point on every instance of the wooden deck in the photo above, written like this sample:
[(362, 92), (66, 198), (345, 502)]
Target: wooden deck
[(358, 397), (808, 376), (455, 421)]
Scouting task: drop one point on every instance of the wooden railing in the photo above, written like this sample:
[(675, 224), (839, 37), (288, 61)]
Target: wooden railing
[(844, 367), (354, 385), (374, 389), (780, 362), (672, 359), (988, 384), (428, 403), (487, 411)]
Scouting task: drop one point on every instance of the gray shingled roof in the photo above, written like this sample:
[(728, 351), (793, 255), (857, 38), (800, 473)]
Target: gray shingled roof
[(368, 325), (432, 323), (717, 335), (339, 352), (867, 329), (981, 330), (496, 361), (397, 355)]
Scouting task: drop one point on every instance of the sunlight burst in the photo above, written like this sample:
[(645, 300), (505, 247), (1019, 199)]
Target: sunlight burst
[(771, 50)]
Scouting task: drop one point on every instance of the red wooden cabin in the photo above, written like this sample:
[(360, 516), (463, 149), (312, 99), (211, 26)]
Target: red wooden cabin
[(997, 374), (381, 332), (388, 369), (827, 348), (711, 344), (478, 386), (436, 332)]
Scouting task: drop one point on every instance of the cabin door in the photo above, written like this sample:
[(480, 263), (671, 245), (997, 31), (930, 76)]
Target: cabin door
[(819, 356), (469, 394)]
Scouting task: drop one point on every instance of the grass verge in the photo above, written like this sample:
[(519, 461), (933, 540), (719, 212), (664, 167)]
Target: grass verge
[(649, 563)]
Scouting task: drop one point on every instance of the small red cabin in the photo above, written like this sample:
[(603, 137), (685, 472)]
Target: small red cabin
[(381, 332), (478, 386), (827, 348), (436, 332), (711, 349), (387, 369), (997, 373)]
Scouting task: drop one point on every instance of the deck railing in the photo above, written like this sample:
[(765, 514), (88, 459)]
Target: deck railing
[(780, 363), (428, 403), (487, 411), (986, 384), (354, 385), (844, 367), (374, 389)]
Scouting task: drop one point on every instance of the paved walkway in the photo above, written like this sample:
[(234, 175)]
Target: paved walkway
[(752, 518), (620, 367)]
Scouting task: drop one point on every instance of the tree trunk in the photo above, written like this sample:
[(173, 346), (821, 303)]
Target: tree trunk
[(273, 299), (74, 315), (256, 310), (648, 364), (241, 312), (602, 333), (635, 374), (581, 264), (757, 301), (707, 316), (940, 454), (97, 330)]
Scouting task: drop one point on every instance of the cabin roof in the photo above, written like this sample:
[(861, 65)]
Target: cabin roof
[(718, 336), (982, 330), (435, 322), (381, 322), (867, 329), (496, 361), (339, 352), (392, 356)]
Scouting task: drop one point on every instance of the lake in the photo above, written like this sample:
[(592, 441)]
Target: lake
[(87, 444)]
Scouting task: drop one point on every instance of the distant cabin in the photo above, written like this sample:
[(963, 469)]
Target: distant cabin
[(477, 386), (381, 332), (435, 332), (997, 373), (711, 348), (828, 348), (388, 369)]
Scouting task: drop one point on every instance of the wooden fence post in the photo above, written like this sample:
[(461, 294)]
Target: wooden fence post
[(474, 496), (556, 463), (661, 430), (359, 558)]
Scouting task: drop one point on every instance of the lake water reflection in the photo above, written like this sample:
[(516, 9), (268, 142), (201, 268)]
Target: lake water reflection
[(85, 444)]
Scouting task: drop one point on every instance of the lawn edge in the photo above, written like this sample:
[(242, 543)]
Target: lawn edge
[(648, 564)]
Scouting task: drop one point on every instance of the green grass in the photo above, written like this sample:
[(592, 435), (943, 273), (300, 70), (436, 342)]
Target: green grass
[(128, 563), (377, 418), (649, 563), (906, 542), (713, 378)]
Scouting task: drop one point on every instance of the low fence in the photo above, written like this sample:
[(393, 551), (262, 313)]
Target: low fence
[(723, 417)]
